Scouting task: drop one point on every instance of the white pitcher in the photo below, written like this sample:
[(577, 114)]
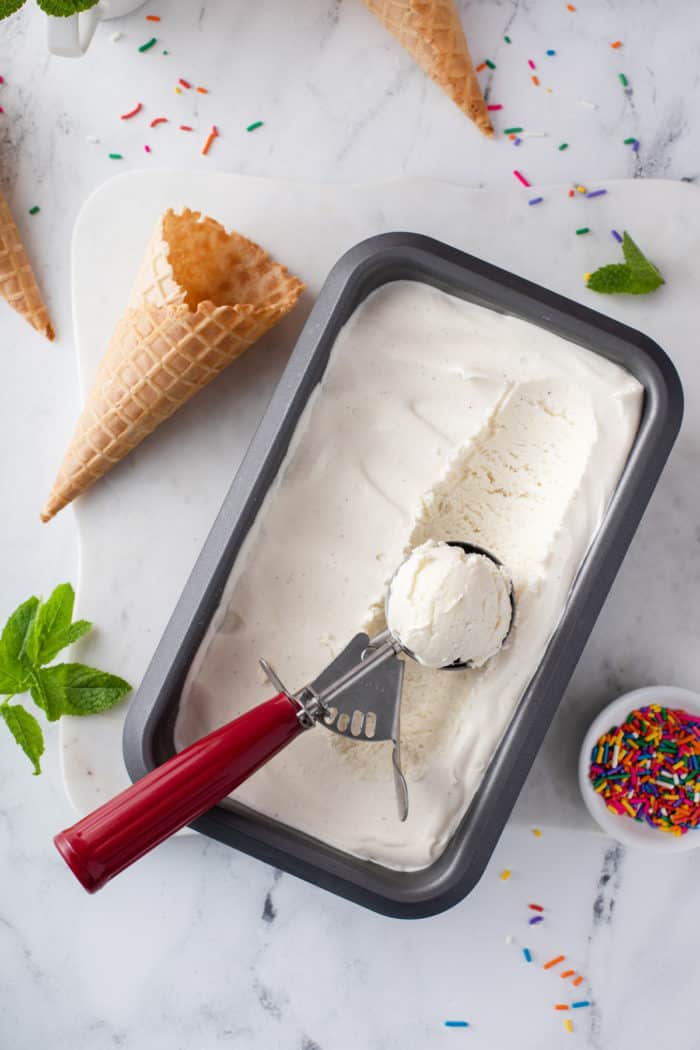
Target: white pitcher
[(70, 37)]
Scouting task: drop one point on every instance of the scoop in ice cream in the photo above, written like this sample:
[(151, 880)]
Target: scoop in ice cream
[(447, 605)]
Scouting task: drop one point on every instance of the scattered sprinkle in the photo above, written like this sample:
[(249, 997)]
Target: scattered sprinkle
[(158, 120), (569, 973), (563, 146), (512, 131), (493, 108), (116, 36), (581, 189), (481, 67), (623, 79), (509, 938), (583, 229), (548, 90), (2, 80), (616, 44), (554, 962), (116, 156), (521, 178), (534, 134), (635, 147), (203, 90), (507, 40), (648, 768), (185, 83), (153, 18), (578, 981), (577, 1006), (561, 1006), (528, 955), (630, 141), (34, 209), (535, 907), (569, 1026), (132, 112), (516, 140), (585, 102), (551, 52), (570, 7), (255, 125), (596, 193), (535, 919), (1, 110), (165, 52), (490, 64), (536, 81), (186, 127), (537, 833), (148, 45), (531, 64), (214, 133), (147, 149), (506, 874), (456, 1024), (178, 91), (572, 193)]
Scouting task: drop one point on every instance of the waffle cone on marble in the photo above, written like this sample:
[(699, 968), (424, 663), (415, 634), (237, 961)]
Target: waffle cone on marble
[(431, 31), (17, 282), (201, 298)]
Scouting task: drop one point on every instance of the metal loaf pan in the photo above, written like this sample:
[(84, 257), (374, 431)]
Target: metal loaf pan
[(148, 734)]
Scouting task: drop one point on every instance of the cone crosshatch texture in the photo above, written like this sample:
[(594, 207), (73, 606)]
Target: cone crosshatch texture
[(201, 298), (431, 31), (17, 281)]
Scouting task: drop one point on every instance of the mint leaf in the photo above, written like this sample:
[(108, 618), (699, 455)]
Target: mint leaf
[(74, 689), (52, 629), (636, 276), (8, 7), (638, 262), (64, 8), (14, 663), (26, 731)]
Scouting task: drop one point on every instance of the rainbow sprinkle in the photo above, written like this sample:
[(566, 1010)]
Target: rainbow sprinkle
[(577, 1006), (616, 44), (512, 131), (506, 874), (531, 64), (583, 229), (648, 768), (521, 178), (617, 236), (148, 45), (551, 52), (623, 79), (132, 112), (554, 962), (34, 209), (596, 193), (116, 156), (535, 907), (256, 124), (569, 1026), (528, 955), (492, 109), (537, 833), (456, 1024), (490, 64), (507, 40), (535, 919), (563, 146)]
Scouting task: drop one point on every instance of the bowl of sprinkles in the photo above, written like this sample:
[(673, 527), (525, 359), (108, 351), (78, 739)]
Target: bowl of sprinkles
[(639, 769)]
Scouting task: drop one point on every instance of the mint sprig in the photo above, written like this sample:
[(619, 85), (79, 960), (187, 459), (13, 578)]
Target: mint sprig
[(636, 276), (33, 636)]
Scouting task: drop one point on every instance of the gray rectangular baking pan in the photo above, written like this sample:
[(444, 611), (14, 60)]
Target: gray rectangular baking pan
[(148, 733)]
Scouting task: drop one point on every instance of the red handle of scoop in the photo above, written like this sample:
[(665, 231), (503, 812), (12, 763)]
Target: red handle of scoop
[(121, 831)]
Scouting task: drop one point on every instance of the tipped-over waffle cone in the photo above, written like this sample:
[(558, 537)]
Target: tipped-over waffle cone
[(431, 31), (202, 297), (17, 282)]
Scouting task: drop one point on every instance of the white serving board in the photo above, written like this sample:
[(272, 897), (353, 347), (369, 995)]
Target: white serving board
[(142, 527)]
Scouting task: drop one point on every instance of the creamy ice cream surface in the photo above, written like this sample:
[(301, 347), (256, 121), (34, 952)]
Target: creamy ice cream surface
[(436, 419), (445, 605)]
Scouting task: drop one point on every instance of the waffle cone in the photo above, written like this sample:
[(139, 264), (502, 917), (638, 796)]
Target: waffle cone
[(17, 281), (431, 31), (201, 298)]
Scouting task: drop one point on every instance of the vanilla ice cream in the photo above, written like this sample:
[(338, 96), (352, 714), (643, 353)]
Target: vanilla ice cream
[(436, 419), (445, 605)]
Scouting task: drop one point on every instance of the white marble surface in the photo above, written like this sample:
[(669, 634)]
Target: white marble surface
[(188, 950)]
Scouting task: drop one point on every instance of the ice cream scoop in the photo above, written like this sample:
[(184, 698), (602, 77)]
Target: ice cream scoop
[(357, 696), (450, 604)]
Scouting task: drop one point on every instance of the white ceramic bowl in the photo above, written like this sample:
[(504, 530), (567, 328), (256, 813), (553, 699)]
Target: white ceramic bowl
[(632, 832)]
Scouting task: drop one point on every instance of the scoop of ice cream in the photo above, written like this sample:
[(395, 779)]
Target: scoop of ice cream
[(446, 605)]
